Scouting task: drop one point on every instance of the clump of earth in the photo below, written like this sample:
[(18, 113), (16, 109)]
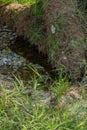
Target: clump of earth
[(66, 36), (62, 33)]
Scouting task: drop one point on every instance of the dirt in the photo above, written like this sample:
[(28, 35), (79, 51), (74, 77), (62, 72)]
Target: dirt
[(63, 29), (68, 31), (15, 17), (65, 12), (74, 93)]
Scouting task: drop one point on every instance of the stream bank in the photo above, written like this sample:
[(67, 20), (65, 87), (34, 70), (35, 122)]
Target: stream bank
[(22, 63), (58, 47), (55, 28), (32, 96)]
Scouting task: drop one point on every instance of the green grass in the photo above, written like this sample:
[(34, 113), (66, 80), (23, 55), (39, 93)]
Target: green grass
[(60, 87), (19, 1), (19, 112)]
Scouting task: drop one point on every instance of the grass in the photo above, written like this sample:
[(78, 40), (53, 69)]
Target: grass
[(18, 111), (60, 87), (19, 1)]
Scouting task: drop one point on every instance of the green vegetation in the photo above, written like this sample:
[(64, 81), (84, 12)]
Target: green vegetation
[(60, 87), (19, 1), (35, 34), (82, 4), (18, 111)]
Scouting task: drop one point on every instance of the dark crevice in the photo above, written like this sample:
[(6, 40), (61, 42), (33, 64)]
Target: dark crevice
[(30, 52)]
